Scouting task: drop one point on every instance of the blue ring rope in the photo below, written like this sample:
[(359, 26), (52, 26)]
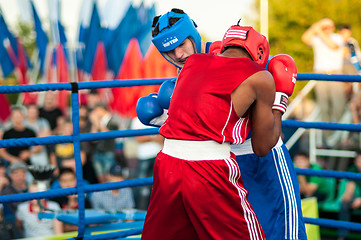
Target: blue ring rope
[(83, 137), (133, 132), (328, 173), (20, 197), (76, 138), (149, 131), (81, 85), (322, 125), (333, 223), (328, 77), (151, 81)]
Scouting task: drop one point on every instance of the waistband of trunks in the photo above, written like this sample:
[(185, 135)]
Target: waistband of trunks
[(246, 147), (196, 150)]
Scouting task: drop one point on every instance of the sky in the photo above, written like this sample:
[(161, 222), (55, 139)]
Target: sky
[(213, 17)]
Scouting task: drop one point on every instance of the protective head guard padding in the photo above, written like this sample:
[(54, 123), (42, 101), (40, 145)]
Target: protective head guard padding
[(255, 43), (170, 37)]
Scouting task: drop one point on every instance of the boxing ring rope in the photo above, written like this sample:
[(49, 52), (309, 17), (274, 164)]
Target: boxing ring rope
[(328, 77), (76, 138), (73, 190)]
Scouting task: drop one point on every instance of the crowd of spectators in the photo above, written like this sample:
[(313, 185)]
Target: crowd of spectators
[(335, 52), (102, 161)]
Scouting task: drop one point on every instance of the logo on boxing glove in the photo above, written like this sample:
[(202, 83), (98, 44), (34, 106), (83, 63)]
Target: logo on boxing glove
[(284, 101)]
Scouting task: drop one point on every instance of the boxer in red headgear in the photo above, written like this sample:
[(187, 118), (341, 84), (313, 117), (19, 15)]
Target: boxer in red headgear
[(246, 37), (270, 180), (198, 191)]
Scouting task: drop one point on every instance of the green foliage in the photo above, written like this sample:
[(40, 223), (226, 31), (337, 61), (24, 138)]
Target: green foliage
[(11, 80), (288, 20), (25, 32)]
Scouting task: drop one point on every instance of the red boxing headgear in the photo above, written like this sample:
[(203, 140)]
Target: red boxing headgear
[(255, 43)]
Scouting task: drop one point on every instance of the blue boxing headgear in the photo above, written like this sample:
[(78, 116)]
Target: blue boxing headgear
[(170, 37)]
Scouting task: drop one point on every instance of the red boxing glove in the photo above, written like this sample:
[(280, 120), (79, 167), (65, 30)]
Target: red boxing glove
[(284, 71), (215, 47)]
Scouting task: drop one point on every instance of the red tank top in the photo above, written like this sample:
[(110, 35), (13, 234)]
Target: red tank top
[(201, 107)]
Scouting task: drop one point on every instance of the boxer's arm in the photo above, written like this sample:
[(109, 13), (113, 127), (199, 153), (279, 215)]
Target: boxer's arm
[(284, 71), (257, 94), (266, 123)]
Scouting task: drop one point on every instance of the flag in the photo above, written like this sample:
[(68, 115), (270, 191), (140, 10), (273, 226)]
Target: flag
[(22, 63), (125, 98), (155, 66), (84, 21), (57, 29), (6, 33), (7, 66), (62, 76), (62, 38), (41, 39), (79, 54), (92, 36), (116, 43), (22, 73), (7, 55), (100, 72), (144, 35), (58, 71), (7, 63), (58, 63), (113, 12), (100, 65), (51, 67), (17, 60), (126, 60)]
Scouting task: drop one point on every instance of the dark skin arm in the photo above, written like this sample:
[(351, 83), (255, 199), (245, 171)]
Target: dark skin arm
[(257, 94), (150, 138)]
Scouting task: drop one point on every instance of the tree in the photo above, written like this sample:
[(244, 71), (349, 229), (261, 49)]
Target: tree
[(25, 31), (288, 20)]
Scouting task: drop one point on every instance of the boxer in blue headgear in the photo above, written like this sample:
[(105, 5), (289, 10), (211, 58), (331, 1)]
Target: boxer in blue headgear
[(176, 37)]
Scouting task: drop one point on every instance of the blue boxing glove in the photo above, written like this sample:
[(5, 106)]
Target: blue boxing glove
[(165, 93), (150, 112)]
